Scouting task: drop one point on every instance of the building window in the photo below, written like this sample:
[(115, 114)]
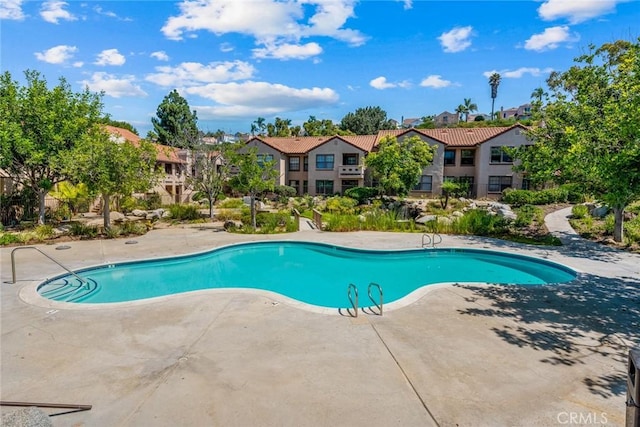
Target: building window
[(306, 163), (305, 186), (264, 158), (348, 183), (294, 163), (498, 155), (526, 184), (498, 183), (324, 161), (449, 157), (425, 184), (324, 186), (349, 159), (168, 168), (295, 184), (467, 157)]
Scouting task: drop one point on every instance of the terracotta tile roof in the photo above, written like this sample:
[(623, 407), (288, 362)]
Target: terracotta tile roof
[(465, 137), (455, 137), (164, 154)]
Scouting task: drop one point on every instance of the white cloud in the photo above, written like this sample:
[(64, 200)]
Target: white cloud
[(549, 39), (194, 73), (575, 11), (110, 57), (288, 51), (381, 83), (100, 11), (53, 11), (519, 73), (226, 47), (114, 86), (78, 64), (408, 4), (457, 39), (270, 22), (57, 54), (435, 81), (160, 55), (248, 99), (11, 9)]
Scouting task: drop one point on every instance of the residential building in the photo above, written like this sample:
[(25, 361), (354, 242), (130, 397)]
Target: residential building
[(330, 165), (411, 123), (172, 186), (446, 118)]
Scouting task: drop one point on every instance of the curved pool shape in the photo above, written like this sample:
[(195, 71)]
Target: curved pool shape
[(313, 273)]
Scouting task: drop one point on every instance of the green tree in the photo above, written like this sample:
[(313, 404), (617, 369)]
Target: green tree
[(259, 125), (494, 82), (74, 197), (38, 126), (255, 175), (366, 121), (112, 168), (591, 131), (326, 127), (428, 122), (397, 165), (211, 173), (176, 125), (469, 107), (460, 110)]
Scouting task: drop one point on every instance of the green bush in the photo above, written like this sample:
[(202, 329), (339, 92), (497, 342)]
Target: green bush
[(579, 211), (152, 201), (83, 230), (268, 223), (480, 223), (361, 194), (528, 197), (231, 203), (284, 192), (9, 238), (133, 227), (182, 212), (43, 232), (339, 204)]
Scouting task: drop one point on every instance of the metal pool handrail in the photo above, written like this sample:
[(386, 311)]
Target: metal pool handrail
[(372, 285), (13, 264), (431, 240), (353, 304)]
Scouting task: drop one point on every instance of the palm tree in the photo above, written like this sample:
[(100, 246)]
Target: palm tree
[(469, 107), (537, 94), (494, 82), (460, 110), (260, 125)]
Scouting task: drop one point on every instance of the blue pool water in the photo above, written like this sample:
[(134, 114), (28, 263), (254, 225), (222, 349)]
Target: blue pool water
[(314, 273)]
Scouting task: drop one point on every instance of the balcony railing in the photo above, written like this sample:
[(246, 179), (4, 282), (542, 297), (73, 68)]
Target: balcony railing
[(351, 171)]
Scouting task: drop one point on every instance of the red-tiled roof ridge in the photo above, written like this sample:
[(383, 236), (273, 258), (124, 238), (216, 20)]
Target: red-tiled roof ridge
[(164, 153)]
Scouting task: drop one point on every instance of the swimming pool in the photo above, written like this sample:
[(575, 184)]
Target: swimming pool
[(313, 273)]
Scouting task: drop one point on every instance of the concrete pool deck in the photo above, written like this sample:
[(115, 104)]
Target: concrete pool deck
[(460, 355)]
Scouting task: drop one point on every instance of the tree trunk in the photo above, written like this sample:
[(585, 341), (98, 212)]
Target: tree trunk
[(618, 227), (253, 211), (210, 208), (493, 100), (106, 215), (41, 209)]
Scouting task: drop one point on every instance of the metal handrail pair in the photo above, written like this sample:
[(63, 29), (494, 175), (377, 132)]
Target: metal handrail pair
[(354, 303), (431, 240), (13, 265)]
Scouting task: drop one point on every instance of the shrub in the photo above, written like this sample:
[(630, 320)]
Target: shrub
[(133, 227), (528, 197), (83, 230), (479, 222), (9, 238), (579, 211), (182, 212), (231, 204), (361, 194), (43, 231), (284, 192), (152, 201), (339, 204)]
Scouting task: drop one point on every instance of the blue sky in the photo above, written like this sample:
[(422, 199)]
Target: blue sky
[(236, 60)]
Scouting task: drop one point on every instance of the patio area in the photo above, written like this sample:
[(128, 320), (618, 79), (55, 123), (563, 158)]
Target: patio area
[(461, 355)]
